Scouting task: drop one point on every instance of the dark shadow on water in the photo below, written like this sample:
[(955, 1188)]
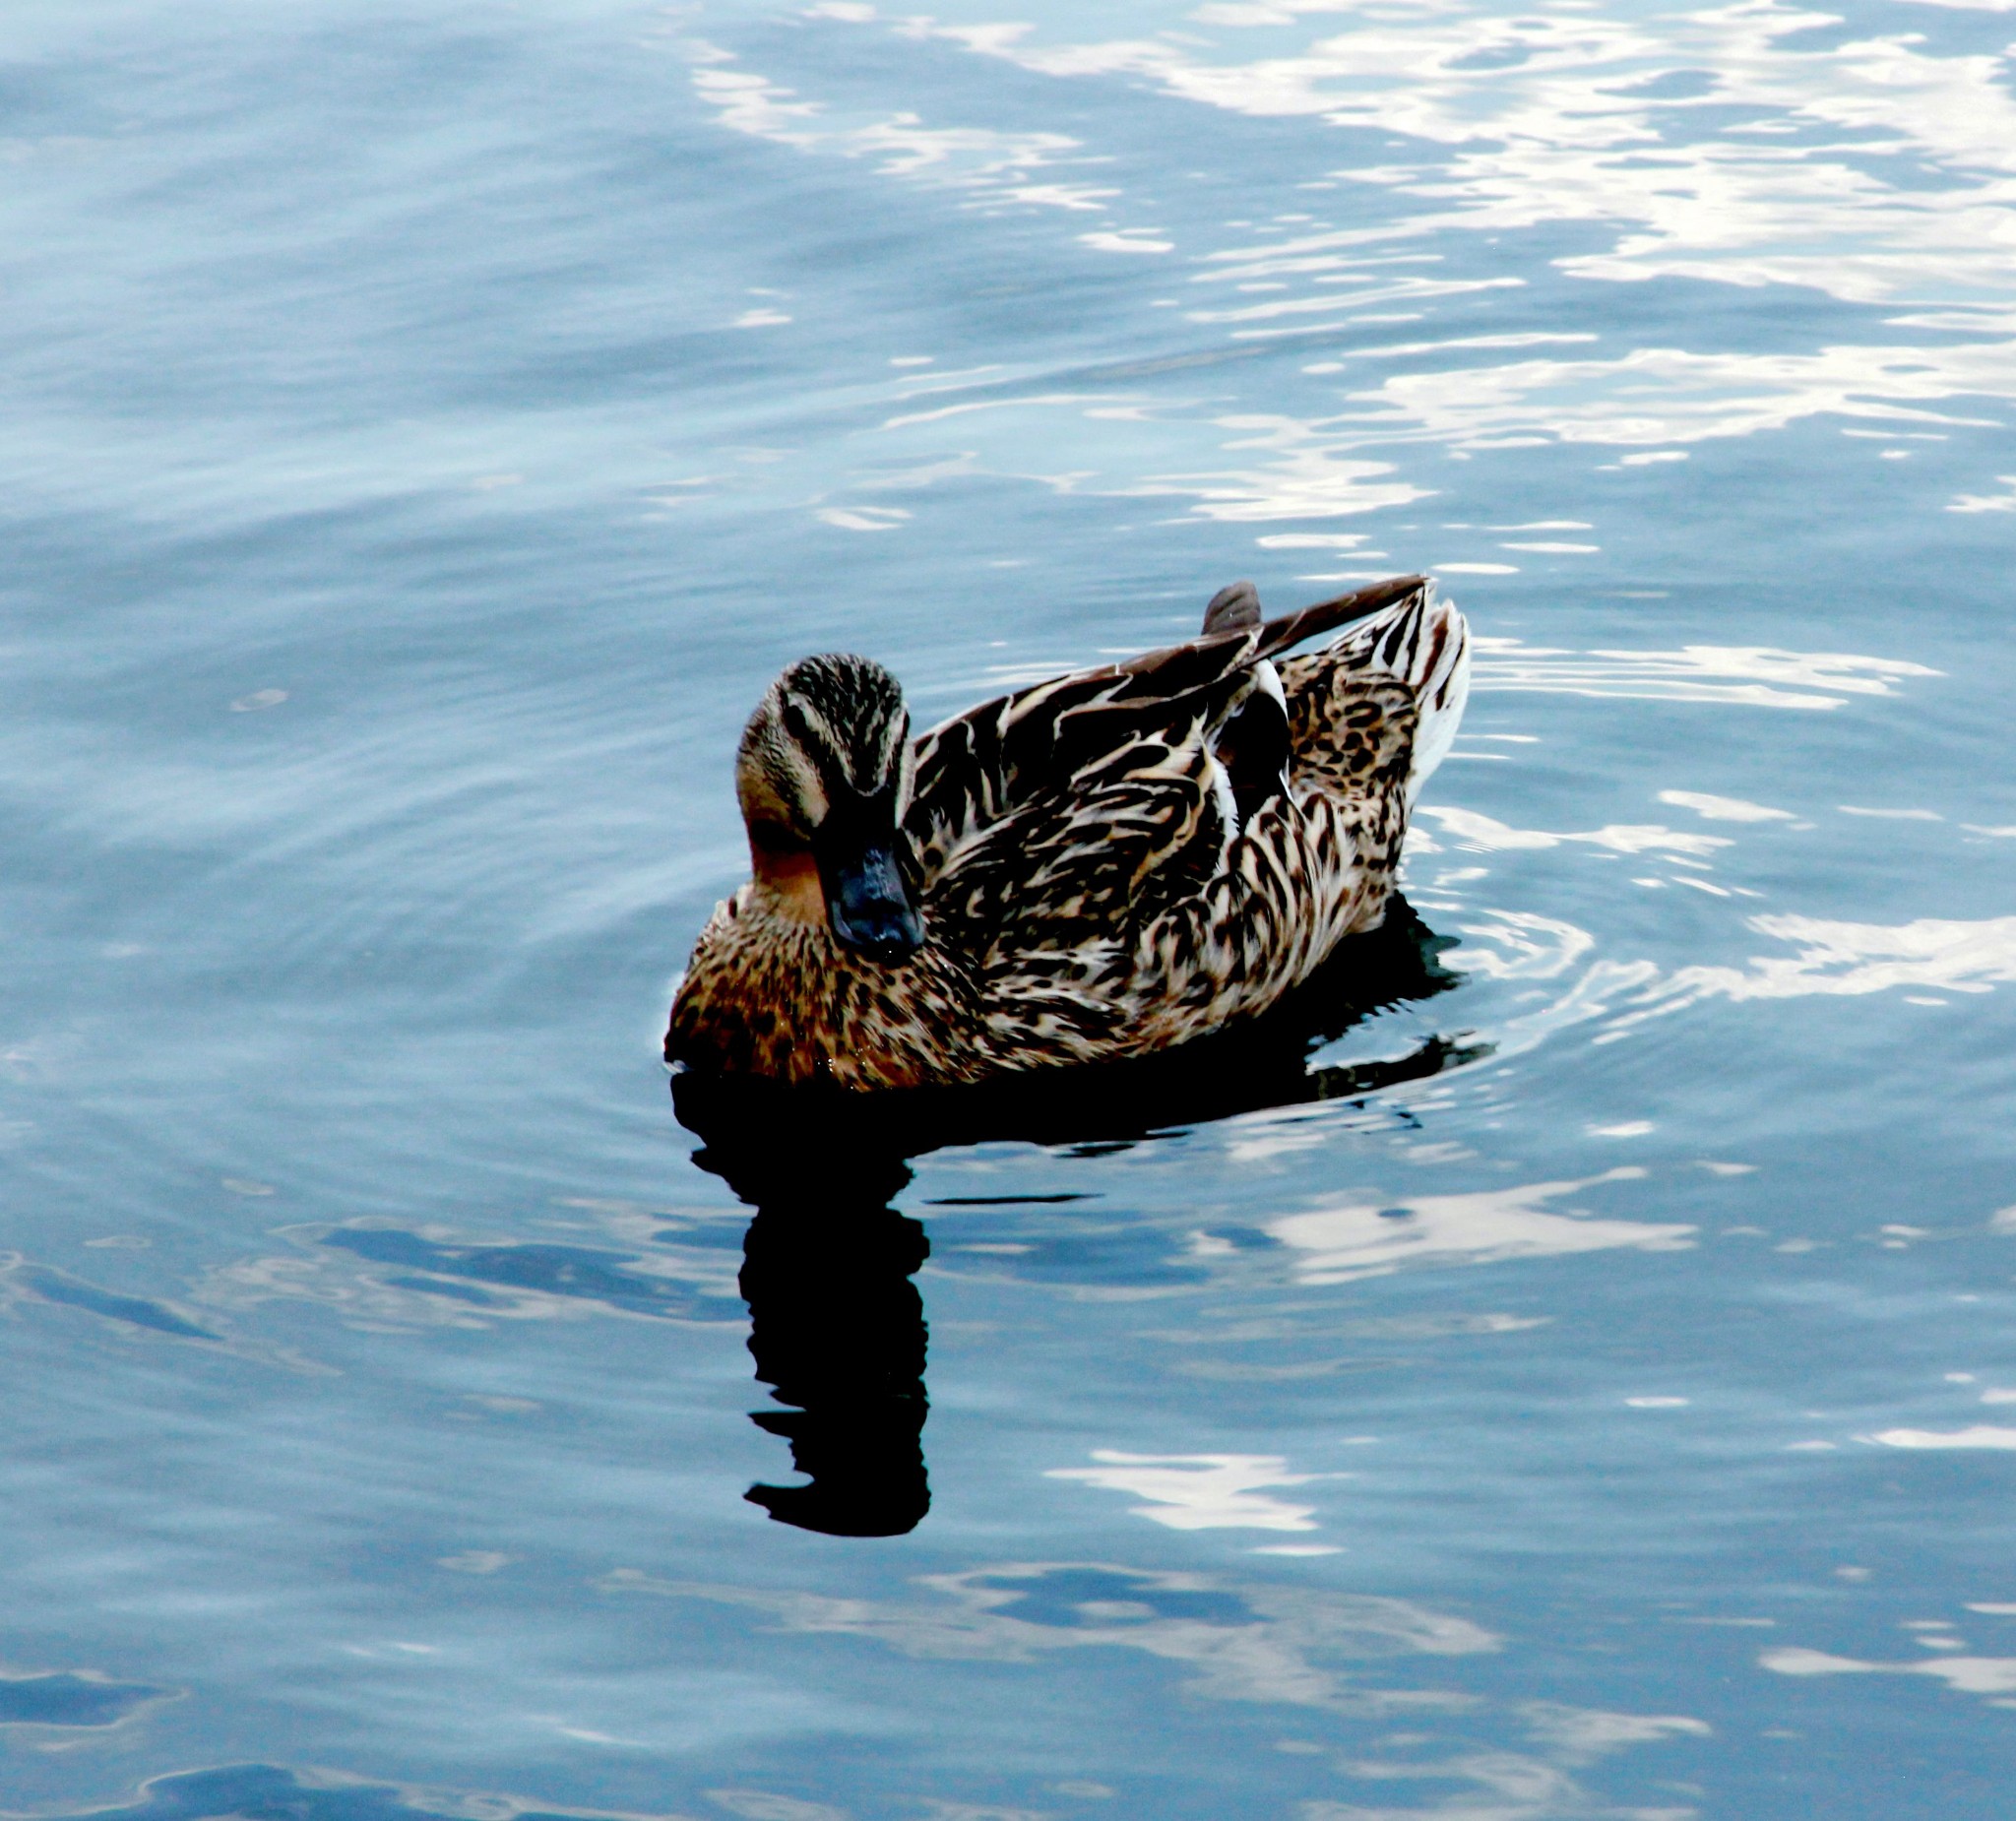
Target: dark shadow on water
[(59, 1286), (274, 1793), (836, 1324), (64, 1698)]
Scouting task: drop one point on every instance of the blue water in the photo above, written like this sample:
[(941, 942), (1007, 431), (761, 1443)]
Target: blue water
[(428, 427)]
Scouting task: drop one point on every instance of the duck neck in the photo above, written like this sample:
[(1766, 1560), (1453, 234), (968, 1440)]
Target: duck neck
[(786, 883)]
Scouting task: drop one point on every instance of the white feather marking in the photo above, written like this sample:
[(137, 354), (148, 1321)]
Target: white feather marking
[(1228, 805), (1269, 679), (1442, 694)]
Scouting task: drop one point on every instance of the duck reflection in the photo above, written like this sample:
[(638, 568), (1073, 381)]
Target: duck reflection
[(837, 1323)]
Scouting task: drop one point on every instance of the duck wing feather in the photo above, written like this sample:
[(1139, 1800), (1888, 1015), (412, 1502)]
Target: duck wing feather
[(1029, 746), (1138, 821)]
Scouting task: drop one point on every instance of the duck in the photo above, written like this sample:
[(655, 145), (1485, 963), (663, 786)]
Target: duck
[(1100, 866)]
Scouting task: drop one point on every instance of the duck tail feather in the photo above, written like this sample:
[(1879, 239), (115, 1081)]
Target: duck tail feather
[(1425, 642), (1292, 629)]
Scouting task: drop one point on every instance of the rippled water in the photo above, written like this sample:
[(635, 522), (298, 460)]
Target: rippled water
[(1583, 1394)]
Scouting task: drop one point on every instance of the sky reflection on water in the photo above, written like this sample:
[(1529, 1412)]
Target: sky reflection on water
[(1579, 1391)]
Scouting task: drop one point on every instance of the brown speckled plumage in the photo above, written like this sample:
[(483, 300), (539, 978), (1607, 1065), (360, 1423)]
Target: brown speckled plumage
[(1107, 863)]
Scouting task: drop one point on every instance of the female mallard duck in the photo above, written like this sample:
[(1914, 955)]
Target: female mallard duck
[(1098, 867)]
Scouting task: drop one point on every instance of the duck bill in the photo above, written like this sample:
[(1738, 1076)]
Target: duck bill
[(867, 903)]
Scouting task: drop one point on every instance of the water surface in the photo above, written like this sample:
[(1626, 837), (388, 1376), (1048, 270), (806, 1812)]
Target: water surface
[(1577, 1391)]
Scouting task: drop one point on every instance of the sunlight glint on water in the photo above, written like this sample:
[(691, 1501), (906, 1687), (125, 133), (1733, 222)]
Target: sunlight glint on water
[(1582, 1392)]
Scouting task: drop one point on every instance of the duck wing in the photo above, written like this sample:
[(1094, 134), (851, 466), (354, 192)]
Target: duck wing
[(1036, 745), (1136, 817)]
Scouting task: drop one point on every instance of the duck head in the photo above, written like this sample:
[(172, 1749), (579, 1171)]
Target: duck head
[(824, 779)]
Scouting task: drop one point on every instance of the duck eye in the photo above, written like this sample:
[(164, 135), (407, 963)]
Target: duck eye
[(797, 724)]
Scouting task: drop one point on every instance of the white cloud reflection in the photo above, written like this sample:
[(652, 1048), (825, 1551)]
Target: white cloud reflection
[(995, 166), (1265, 1643), (1368, 1237), (1970, 1676), (1830, 959), (1723, 808), (1199, 1491), (1750, 675), (1852, 959), (1579, 116), (1980, 1435), (1989, 502), (1468, 828), (1301, 473), (1324, 1656), (1731, 144), (1663, 395)]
